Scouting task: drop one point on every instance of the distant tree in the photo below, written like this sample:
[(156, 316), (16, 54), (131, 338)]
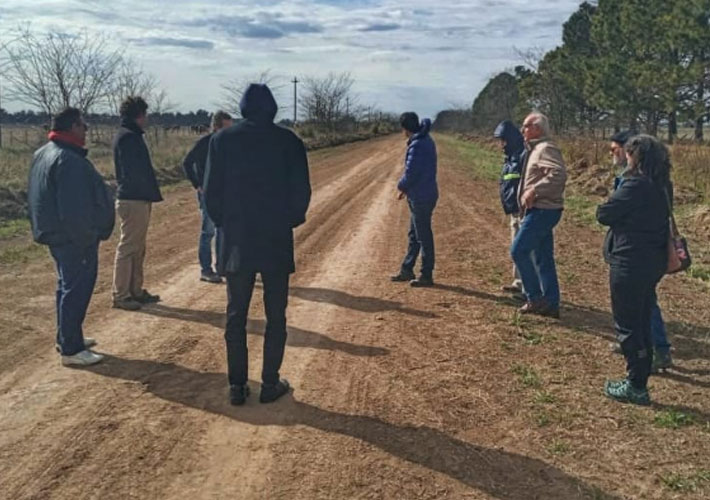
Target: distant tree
[(325, 100), (496, 102), (455, 120)]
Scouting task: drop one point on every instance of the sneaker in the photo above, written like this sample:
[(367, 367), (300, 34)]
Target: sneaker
[(623, 391), (88, 342), (147, 298), (270, 393), (540, 307), (403, 277), (514, 288), (520, 297), (422, 282), (615, 348), (129, 304), (83, 358), (238, 394), (661, 361), (210, 277)]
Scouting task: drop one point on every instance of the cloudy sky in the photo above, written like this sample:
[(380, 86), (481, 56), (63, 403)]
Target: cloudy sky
[(425, 55)]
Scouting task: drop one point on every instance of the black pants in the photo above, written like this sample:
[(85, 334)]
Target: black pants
[(421, 238), (240, 287), (633, 294)]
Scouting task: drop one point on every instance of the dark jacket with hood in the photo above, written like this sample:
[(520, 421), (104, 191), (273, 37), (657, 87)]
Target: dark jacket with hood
[(512, 165), (257, 188), (637, 215), (134, 170), (194, 163), (419, 179), (68, 200)]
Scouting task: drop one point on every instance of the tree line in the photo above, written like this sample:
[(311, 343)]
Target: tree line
[(639, 64)]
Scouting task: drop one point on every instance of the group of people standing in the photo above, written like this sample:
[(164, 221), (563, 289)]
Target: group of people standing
[(252, 185), (637, 213)]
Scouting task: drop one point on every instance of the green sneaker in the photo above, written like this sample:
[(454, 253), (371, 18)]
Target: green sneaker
[(623, 391), (661, 361)]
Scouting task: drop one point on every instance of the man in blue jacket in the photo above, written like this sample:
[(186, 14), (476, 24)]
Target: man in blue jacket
[(194, 167), (70, 210), (257, 190), (137, 191), (418, 184), (513, 147)]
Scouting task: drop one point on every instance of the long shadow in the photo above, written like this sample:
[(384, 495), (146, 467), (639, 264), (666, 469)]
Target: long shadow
[(297, 337), (356, 302), (499, 473), (501, 299), (672, 375)]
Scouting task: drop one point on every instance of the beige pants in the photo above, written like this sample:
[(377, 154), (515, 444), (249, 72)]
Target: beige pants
[(130, 252), (515, 221)]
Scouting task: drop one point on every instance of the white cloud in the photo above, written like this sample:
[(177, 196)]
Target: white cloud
[(403, 54)]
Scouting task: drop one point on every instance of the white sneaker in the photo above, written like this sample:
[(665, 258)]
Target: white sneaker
[(88, 342), (83, 358)]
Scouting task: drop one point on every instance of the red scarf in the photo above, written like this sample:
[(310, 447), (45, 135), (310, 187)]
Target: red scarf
[(57, 135)]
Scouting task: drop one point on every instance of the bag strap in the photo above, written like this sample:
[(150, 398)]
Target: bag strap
[(674, 227)]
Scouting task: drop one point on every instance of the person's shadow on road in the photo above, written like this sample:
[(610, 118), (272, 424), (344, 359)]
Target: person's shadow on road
[(297, 337), (498, 473)]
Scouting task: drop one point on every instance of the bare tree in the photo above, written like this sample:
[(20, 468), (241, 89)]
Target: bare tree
[(55, 70), (130, 79), (233, 90), (325, 100)]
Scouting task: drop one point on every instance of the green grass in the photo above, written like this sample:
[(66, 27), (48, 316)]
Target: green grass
[(544, 397), (559, 447), (672, 419), (527, 376), (686, 482), (699, 271), (14, 227), (21, 254), (483, 163), (582, 210)]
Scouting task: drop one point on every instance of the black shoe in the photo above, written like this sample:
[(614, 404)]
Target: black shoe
[(210, 277), (403, 277), (129, 304), (147, 298), (540, 307), (270, 393), (422, 282), (238, 394)]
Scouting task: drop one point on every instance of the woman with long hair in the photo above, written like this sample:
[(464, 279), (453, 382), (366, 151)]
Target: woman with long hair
[(636, 249)]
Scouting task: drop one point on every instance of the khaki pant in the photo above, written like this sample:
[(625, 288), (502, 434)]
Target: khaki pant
[(515, 221), (130, 252)]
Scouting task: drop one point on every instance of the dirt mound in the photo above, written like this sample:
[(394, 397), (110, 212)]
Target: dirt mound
[(591, 179)]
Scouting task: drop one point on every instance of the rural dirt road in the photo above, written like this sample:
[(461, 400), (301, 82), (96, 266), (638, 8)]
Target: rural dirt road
[(399, 393)]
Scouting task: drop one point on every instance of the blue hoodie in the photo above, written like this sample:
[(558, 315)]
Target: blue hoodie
[(419, 179), (512, 165)]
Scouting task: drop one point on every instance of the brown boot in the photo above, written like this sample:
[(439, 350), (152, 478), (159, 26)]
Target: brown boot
[(540, 307)]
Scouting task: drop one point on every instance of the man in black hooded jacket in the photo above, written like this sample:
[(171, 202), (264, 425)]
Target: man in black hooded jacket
[(513, 147), (257, 190)]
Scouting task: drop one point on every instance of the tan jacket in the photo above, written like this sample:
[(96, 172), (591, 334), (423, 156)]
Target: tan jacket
[(544, 172)]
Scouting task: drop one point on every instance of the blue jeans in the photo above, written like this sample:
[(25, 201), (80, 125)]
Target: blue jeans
[(533, 251), (76, 276), (421, 238), (658, 329), (207, 233)]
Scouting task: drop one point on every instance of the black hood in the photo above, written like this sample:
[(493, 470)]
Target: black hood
[(507, 131), (258, 104)]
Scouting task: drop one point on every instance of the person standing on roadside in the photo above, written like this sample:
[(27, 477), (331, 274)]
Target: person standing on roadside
[(541, 201), (513, 146), (662, 347), (636, 249), (418, 184), (194, 167), (257, 189), (71, 211), (137, 191)]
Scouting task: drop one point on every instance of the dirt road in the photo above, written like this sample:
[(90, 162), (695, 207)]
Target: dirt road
[(399, 393)]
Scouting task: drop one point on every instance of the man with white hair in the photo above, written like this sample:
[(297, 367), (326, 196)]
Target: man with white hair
[(541, 200)]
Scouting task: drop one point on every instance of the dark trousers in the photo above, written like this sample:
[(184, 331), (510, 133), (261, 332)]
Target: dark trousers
[(421, 238), (633, 295), (240, 287), (76, 276)]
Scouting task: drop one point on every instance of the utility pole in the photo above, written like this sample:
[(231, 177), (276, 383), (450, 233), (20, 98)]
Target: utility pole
[(295, 99)]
